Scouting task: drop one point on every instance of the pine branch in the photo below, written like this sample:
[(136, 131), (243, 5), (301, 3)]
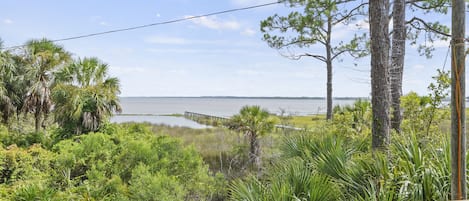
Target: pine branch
[(427, 26)]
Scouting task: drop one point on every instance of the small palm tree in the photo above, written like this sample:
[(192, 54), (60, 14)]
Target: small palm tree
[(85, 95), (254, 122), (42, 58)]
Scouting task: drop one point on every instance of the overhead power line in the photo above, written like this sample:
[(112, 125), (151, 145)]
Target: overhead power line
[(157, 23)]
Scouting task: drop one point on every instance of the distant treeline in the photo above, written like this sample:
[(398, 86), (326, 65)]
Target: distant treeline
[(251, 97)]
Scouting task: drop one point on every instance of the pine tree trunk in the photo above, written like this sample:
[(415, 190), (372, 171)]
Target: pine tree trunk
[(329, 91), (397, 62), (329, 69), (378, 17)]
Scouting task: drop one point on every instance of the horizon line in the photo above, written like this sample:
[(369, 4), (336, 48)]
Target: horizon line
[(285, 97)]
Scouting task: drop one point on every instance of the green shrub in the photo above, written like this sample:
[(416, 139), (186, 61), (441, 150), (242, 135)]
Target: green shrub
[(412, 171), (33, 192), (154, 187), (128, 162)]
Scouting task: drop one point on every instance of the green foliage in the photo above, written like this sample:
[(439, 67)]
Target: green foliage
[(354, 120), (128, 162), (8, 97), (18, 164), (33, 192), (41, 58), (310, 26), (423, 172), (424, 114), (432, 31), (254, 122), (85, 96), (292, 181), (148, 186), (412, 171), (43, 75)]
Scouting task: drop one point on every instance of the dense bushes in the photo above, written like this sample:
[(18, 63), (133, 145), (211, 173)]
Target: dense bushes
[(337, 153), (324, 166), (120, 163)]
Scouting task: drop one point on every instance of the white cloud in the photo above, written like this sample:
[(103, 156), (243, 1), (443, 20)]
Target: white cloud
[(215, 23), (103, 23), (248, 32), (304, 75), (99, 20), (167, 40), (178, 71), (122, 71), (172, 40), (342, 31), (7, 21), (247, 72), (205, 51)]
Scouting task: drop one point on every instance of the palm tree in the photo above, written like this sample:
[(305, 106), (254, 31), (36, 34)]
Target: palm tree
[(43, 57), (254, 122), (7, 76), (85, 96)]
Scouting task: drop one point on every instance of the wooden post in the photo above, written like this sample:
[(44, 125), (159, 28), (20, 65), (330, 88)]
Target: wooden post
[(458, 100)]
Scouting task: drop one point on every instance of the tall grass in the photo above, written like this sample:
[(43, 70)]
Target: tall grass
[(224, 150)]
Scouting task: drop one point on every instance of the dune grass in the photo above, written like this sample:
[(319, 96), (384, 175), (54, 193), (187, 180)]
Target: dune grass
[(309, 121), (222, 149)]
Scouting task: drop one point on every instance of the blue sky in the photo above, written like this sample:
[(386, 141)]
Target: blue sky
[(220, 55)]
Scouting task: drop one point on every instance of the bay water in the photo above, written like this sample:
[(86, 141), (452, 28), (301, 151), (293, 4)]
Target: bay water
[(156, 109)]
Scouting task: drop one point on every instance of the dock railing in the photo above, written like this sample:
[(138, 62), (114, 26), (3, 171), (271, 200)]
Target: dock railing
[(217, 121)]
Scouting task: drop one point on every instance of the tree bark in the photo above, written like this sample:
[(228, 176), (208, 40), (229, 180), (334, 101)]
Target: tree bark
[(255, 151), (458, 107), (397, 62), (329, 69), (37, 120), (379, 22)]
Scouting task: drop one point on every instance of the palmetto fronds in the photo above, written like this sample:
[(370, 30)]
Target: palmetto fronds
[(84, 95), (412, 172), (254, 122), (42, 58)]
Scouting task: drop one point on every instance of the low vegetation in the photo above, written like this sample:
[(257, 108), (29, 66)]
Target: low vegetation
[(120, 162)]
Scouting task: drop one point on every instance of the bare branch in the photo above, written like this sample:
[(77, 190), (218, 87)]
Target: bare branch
[(298, 57), (339, 53), (296, 42), (427, 26), (291, 55), (349, 14), (318, 57)]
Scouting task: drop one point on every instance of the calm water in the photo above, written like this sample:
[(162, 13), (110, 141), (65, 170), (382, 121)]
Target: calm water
[(147, 109), (168, 120), (224, 106)]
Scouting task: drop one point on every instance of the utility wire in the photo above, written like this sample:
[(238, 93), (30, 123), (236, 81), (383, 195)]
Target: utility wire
[(157, 23)]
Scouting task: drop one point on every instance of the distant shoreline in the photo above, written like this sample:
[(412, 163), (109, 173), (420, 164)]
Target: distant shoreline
[(249, 97)]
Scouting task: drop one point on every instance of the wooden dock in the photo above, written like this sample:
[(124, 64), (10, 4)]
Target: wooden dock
[(205, 118), (217, 121)]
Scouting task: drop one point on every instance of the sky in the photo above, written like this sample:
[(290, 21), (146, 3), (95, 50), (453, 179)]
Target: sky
[(222, 55)]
